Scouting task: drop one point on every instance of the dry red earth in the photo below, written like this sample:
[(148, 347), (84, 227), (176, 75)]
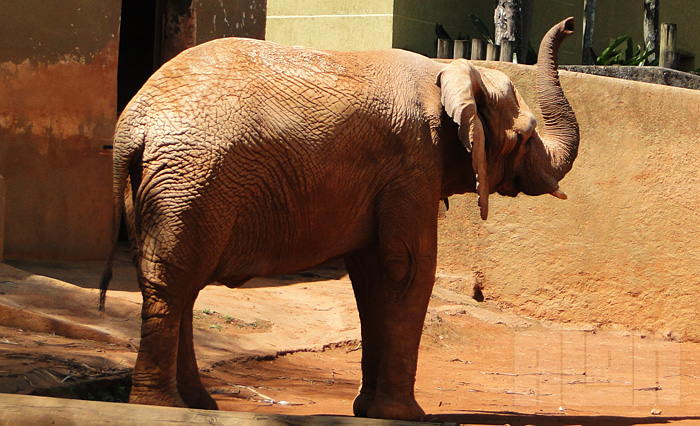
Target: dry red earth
[(291, 345)]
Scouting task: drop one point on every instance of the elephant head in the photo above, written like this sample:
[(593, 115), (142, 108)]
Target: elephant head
[(509, 156)]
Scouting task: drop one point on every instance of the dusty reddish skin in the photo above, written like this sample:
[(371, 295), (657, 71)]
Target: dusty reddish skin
[(242, 158)]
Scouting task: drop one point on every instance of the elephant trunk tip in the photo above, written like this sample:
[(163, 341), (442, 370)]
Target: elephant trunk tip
[(569, 26)]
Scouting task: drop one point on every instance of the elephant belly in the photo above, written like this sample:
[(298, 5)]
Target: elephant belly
[(289, 246)]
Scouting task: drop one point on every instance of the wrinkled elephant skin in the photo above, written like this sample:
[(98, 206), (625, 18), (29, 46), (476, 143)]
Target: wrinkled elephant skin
[(243, 158)]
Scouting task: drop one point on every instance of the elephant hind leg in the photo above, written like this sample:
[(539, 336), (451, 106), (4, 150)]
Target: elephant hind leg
[(154, 380), (189, 383), (166, 369)]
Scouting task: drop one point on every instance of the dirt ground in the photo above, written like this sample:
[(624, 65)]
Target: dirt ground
[(291, 345)]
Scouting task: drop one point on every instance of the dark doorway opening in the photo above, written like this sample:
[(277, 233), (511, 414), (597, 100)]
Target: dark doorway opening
[(137, 48)]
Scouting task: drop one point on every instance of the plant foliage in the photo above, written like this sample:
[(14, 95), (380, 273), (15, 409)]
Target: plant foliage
[(481, 28), (631, 56)]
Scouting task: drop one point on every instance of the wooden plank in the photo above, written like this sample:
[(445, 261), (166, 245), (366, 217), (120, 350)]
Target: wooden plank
[(669, 55), (478, 49), (460, 49), (37, 410), (507, 50), (443, 49), (493, 52)]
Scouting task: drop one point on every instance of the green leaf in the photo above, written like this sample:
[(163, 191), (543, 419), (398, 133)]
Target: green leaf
[(610, 55), (629, 51), (481, 27)]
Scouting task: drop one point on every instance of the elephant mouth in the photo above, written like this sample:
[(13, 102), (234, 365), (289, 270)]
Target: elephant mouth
[(512, 188)]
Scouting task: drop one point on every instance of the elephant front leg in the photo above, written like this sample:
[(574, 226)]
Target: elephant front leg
[(365, 274), (154, 380), (189, 383), (392, 286)]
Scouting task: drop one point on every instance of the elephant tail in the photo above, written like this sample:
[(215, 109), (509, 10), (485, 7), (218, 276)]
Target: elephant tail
[(126, 150)]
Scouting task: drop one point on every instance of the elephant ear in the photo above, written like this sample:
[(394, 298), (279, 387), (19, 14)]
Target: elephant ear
[(459, 81)]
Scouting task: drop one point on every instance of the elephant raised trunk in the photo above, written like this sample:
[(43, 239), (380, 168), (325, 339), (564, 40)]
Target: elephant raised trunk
[(561, 138)]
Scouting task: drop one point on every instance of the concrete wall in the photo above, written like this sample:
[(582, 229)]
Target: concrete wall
[(58, 107), (625, 247), (58, 77), (2, 217), (230, 18), (624, 17)]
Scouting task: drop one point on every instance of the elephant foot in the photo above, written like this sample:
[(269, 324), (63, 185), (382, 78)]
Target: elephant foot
[(385, 407), (150, 396), (361, 405), (201, 400)]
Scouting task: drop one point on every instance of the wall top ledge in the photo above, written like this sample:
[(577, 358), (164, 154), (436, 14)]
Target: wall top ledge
[(654, 75)]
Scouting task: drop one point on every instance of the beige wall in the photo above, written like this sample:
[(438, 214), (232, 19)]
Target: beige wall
[(625, 247)]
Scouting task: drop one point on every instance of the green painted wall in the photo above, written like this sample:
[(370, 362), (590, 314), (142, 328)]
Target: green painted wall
[(333, 25), (613, 19), (414, 21), (626, 16), (410, 24)]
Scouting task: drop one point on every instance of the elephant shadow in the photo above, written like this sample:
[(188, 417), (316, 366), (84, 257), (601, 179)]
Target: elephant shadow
[(328, 271), (521, 419), (87, 274)]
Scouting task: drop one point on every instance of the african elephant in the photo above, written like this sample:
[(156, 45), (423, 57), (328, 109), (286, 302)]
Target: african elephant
[(242, 158)]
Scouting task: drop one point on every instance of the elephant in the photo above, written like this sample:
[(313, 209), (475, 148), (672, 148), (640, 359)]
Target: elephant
[(242, 158)]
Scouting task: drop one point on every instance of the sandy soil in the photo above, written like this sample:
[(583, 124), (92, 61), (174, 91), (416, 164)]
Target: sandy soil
[(291, 345)]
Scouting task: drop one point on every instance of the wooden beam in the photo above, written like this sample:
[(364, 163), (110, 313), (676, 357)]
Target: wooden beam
[(493, 52), (507, 50), (443, 48), (588, 30), (460, 49), (508, 25), (38, 410), (668, 57), (651, 27), (478, 49)]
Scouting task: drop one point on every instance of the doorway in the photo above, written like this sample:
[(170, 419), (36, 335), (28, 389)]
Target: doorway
[(137, 47)]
